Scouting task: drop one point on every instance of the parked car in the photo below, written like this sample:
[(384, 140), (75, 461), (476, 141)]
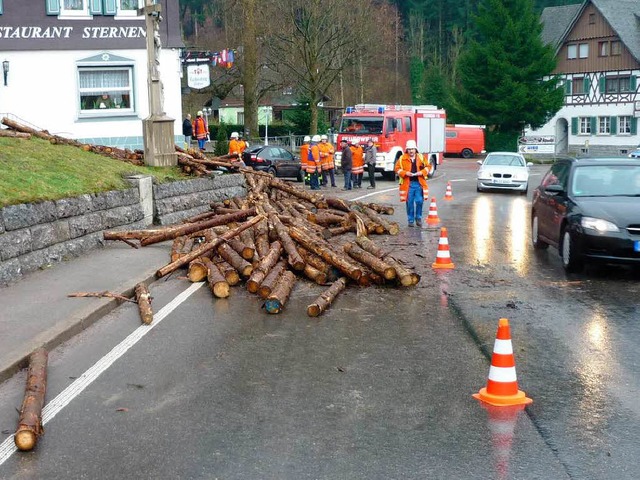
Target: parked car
[(635, 153), (589, 208), (272, 159), (504, 171)]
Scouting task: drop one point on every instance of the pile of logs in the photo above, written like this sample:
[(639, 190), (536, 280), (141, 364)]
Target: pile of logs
[(276, 235)]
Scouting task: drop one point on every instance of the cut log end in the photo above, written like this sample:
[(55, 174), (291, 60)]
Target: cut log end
[(220, 289), (313, 310), (25, 439)]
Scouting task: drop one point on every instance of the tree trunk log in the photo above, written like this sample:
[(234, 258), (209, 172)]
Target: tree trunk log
[(230, 274), (144, 303), (314, 274), (405, 276), (294, 258), (325, 300), (391, 227), (267, 285), (280, 294), (263, 268), (198, 270), (30, 420), (234, 259), (370, 260), (262, 238), (13, 134), (217, 282), (243, 250)]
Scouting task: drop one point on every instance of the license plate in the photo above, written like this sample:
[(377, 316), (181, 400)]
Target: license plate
[(636, 246), (503, 180)]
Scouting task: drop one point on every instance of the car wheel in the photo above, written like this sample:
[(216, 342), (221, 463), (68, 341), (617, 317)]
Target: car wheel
[(272, 171), (478, 189), (300, 176), (526, 190), (535, 239), (432, 170), (571, 259), (467, 153)]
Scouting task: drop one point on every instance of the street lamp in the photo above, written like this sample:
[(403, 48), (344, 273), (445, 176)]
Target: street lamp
[(5, 71), (206, 111), (267, 111)]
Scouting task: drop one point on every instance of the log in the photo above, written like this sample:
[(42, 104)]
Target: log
[(264, 266), (134, 234), (194, 227), (385, 209), (280, 294), (325, 300), (370, 260), (230, 274), (13, 134), (297, 192), (294, 258), (324, 218), (262, 238), (101, 295), (239, 246), (207, 247), (405, 276), (267, 285), (330, 272), (314, 274), (144, 303), (217, 282), (234, 259), (30, 420), (391, 227), (322, 249), (198, 269), (24, 129)]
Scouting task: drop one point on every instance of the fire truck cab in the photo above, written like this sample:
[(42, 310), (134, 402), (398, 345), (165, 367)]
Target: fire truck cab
[(390, 126)]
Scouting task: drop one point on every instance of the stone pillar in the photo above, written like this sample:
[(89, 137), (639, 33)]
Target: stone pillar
[(145, 190)]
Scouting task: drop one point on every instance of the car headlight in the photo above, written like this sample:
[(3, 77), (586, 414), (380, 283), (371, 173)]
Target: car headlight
[(520, 176), (598, 225), (482, 175)]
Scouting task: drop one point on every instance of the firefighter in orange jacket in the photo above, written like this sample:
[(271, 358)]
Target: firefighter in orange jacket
[(326, 160), (200, 131), (412, 168), (304, 155), (234, 145), (357, 170), (313, 162)]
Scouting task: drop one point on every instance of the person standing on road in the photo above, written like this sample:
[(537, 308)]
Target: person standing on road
[(201, 130), (187, 130), (412, 169), (347, 163), (313, 162), (326, 160), (357, 170), (370, 153), (304, 155)]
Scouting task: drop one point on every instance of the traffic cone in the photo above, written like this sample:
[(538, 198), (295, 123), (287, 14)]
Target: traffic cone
[(448, 194), (502, 385), (443, 259), (433, 218)]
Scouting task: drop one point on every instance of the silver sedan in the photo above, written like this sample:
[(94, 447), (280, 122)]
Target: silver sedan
[(504, 171)]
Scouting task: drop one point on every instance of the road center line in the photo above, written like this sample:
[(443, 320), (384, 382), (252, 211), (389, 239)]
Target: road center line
[(8, 447)]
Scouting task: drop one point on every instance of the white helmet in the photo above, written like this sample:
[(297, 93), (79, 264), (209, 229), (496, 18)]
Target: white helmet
[(411, 144), (199, 114), (234, 134), (315, 138), (306, 138), (324, 137)]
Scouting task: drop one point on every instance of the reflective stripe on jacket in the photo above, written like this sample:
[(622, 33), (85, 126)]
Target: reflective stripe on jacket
[(304, 154), (326, 155), (313, 159), (403, 166), (358, 159), (200, 128)]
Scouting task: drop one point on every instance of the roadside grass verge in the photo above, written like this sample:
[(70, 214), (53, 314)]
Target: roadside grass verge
[(35, 170)]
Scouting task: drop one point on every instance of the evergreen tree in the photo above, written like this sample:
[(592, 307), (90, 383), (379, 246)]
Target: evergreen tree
[(503, 68), (222, 144)]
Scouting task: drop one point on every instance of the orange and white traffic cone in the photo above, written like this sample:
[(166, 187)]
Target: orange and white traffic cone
[(433, 218), (502, 385), (448, 194), (443, 259)]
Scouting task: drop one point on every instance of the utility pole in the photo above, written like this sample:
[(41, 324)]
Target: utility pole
[(157, 128)]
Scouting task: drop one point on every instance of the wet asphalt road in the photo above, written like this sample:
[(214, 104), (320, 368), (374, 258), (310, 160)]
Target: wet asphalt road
[(379, 387)]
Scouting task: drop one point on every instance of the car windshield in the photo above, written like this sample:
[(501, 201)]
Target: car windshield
[(361, 125), (504, 160), (606, 181)]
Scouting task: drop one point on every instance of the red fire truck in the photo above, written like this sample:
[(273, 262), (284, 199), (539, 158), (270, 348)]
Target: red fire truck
[(390, 126)]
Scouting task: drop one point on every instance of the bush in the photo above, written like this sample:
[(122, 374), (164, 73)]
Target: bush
[(222, 144), (502, 141)]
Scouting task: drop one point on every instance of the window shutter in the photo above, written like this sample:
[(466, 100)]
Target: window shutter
[(95, 7), (634, 125), (594, 125), (633, 83), (109, 7), (603, 84), (567, 87), (574, 126), (614, 125), (0, 7), (53, 7), (586, 85)]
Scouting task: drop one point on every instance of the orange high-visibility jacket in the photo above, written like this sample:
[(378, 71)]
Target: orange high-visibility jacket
[(326, 155), (313, 165), (304, 153), (200, 128), (234, 147), (403, 166), (243, 145), (358, 159)]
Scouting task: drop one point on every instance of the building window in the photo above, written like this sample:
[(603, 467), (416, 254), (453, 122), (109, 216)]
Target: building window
[(584, 50), (578, 86), (585, 125), (240, 118), (616, 48), (625, 124), (592, 19), (105, 91), (572, 52), (407, 124), (603, 49), (617, 84), (74, 8), (604, 125), (129, 8)]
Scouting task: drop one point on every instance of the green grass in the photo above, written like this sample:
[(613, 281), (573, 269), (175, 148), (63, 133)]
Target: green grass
[(35, 170)]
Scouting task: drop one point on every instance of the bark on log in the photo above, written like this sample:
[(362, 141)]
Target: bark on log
[(24, 129), (324, 218), (105, 294), (314, 274), (234, 259), (405, 276), (13, 134), (297, 192), (217, 283), (370, 260), (207, 247), (194, 227), (294, 258), (267, 285), (243, 250), (135, 234), (262, 238), (144, 303), (280, 294), (30, 420), (331, 273), (176, 248), (325, 300), (391, 227), (263, 268), (230, 274), (197, 271)]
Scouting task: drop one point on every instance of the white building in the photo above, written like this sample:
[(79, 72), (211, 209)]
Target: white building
[(598, 51), (62, 55)]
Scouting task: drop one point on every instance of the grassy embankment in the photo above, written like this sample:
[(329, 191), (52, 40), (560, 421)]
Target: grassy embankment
[(35, 170)]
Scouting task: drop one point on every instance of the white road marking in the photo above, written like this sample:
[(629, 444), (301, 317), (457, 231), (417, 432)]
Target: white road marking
[(8, 447), (458, 180), (375, 193)]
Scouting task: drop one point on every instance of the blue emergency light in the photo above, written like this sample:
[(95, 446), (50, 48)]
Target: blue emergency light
[(350, 109), (380, 109)]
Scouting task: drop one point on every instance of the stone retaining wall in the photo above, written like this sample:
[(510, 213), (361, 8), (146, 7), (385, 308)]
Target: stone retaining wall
[(36, 235)]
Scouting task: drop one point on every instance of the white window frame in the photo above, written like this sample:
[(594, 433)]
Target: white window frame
[(624, 125), (583, 50), (113, 90), (585, 126), (121, 13), (72, 13), (572, 51), (604, 125)]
